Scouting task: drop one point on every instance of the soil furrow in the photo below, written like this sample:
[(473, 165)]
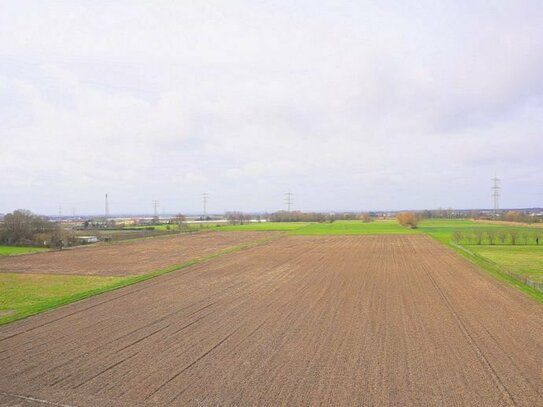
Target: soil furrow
[(324, 320)]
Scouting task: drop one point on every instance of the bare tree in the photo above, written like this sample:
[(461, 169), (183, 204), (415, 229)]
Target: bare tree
[(513, 234), (491, 236), (537, 236), (457, 236), (179, 220), (479, 234), (20, 227), (502, 236)]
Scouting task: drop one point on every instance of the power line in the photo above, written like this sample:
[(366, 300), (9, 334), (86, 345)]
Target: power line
[(156, 204), (496, 193)]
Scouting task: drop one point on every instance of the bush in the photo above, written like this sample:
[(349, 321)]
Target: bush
[(408, 219)]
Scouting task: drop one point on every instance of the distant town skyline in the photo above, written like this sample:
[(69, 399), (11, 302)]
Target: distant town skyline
[(349, 105)]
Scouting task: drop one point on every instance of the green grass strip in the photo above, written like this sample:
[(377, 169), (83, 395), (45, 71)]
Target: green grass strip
[(16, 250)]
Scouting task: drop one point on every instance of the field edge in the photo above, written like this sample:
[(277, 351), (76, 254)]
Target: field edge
[(492, 269)]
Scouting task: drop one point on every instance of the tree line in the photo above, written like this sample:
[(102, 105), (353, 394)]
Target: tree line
[(23, 228), (501, 236), (299, 216)]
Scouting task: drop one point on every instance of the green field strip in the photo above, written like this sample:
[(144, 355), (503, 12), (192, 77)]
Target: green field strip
[(379, 227), (262, 226), (16, 250)]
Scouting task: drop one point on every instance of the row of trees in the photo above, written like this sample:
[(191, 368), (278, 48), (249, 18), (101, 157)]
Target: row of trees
[(502, 236), (298, 216), (238, 218)]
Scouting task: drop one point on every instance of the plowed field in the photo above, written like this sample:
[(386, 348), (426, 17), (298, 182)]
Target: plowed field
[(359, 320), (128, 258)]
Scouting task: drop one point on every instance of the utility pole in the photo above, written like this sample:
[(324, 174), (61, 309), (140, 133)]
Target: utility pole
[(205, 198), (496, 194)]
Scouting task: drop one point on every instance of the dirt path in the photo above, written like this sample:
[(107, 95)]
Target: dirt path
[(129, 258), (359, 320)]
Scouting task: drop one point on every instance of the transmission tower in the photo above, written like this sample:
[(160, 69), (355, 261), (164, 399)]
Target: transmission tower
[(107, 208), (205, 198), (288, 200), (156, 204), (496, 193)]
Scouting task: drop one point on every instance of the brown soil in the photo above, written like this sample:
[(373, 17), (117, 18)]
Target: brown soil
[(128, 258), (361, 320)]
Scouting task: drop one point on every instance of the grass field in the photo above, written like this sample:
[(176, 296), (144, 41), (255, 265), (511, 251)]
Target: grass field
[(525, 260), (192, 227), (443, 229), (27, 294), (11, 250), (263, 226), (354, 227), (347, 227)]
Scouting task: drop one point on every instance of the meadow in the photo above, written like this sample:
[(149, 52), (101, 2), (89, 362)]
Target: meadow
[(346, 227), (27, 294), (354, 227), (263, 226), (526, 260)]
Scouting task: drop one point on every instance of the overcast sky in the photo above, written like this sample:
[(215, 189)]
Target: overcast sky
[(350, 105)]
